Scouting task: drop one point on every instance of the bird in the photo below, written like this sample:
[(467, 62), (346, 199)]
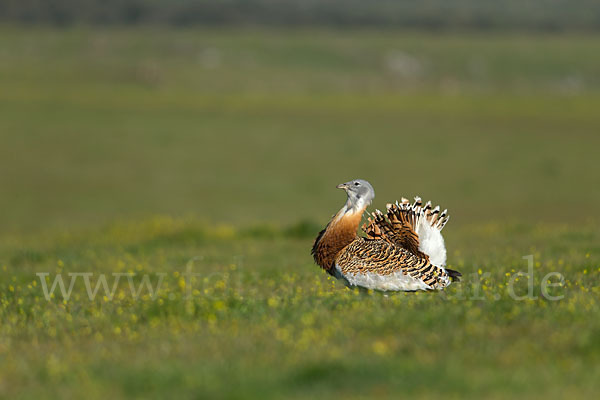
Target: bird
[(402, 250)]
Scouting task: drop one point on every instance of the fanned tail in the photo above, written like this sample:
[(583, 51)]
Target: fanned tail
[(433, 216), (415, 227)]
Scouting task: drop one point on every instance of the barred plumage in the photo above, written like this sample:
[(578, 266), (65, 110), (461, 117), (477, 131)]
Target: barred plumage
[(403, 249)]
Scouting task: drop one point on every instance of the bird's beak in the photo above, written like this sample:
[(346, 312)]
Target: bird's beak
[(342, 186)]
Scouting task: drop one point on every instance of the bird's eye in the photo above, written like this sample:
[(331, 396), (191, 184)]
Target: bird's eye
[(356, 184)]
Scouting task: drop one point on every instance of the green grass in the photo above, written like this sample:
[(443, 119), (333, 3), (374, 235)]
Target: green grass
[(263, 321), (236, 139)]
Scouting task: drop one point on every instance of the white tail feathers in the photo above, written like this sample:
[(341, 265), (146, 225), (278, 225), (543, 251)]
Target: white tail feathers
[(428, 224)]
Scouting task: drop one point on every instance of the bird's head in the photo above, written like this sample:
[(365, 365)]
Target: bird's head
[(360, 194)]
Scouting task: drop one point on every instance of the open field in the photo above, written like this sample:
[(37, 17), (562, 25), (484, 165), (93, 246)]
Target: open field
[(263, 322), (151, 151)]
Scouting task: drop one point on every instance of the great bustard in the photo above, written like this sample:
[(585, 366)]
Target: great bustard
[(403, 248)]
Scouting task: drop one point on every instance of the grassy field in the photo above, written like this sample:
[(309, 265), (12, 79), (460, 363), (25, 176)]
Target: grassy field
[(218, 151)]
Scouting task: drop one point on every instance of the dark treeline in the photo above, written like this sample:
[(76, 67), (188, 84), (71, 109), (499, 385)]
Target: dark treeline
[(428, 14)]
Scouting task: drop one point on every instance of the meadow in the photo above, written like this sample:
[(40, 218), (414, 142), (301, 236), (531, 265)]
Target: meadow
[(161, 152)]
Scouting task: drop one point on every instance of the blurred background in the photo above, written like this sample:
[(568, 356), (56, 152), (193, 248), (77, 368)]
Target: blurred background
[(153, 136), (250, 112)]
